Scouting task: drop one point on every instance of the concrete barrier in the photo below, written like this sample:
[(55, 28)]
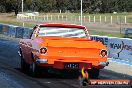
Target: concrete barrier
[(119, 48), (5, 29), (12, 31), (1, 27), (103, 39), (27, 32), (19, 32), (15, 31)]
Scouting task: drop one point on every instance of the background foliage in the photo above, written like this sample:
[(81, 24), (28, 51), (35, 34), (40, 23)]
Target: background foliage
[(89, 6)]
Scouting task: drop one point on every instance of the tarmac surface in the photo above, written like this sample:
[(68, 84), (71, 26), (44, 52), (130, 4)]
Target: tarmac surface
[(11, 75)]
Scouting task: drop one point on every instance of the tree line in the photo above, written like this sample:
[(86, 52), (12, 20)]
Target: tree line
[(89, 6)]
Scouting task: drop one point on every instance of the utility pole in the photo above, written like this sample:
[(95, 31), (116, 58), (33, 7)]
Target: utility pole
[(81, 12), (22, 12), (22, 6)]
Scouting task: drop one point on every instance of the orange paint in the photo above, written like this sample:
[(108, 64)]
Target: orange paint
[(61, 50)]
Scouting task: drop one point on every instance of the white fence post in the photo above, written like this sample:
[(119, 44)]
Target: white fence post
[(54, 17), (62, 17), (58, 17), (23, 24), (44, 17), (47, 17), (17, 17), (125, 20), (31, 18), (94, 19), (117, 19), (89, 19), (28, 18), (51, 17), (105, 19), (111, 19), (34, 17), (100, 18)]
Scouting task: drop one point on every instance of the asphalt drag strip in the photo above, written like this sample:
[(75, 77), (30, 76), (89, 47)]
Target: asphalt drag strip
[(11, 75)]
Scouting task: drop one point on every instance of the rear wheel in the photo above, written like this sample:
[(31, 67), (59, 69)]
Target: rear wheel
[(34, 70), (24, 65), (94, 73)]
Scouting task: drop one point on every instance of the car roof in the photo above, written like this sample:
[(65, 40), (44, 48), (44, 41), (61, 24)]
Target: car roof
[(62, 25)]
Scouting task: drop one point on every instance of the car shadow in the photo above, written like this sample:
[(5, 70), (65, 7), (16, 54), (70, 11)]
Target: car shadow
[(53, 75)]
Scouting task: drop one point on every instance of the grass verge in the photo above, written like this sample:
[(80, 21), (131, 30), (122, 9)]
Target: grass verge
[(109, 34)]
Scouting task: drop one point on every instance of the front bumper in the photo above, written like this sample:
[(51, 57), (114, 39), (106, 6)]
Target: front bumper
[(63, 65), (69, 65)]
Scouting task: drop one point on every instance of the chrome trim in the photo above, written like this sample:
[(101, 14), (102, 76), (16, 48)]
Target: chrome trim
[(41, 61)]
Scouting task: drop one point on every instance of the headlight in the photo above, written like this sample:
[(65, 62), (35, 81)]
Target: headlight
[(103, 53), (43, 50)]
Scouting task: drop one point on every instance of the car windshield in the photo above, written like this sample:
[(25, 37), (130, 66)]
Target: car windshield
[(62, 32)]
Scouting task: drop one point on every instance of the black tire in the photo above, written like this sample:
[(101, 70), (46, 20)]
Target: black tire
[(94, 73), (34, 70), (24, 65)]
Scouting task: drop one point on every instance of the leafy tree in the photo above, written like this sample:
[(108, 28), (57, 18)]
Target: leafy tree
[(11, 5), (90, 6), (129, 5), (15, 4)]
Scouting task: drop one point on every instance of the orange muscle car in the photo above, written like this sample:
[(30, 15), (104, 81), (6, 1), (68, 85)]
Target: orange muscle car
[(62, 47)]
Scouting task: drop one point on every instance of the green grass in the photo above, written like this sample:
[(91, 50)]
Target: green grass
[(16, 23), (110, 34)]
